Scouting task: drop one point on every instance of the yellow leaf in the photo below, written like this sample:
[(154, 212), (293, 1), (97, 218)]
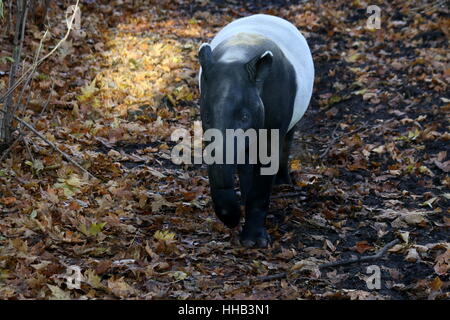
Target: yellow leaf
[(87, 91), (179, 275), (164, 235), (405, 236), (424, 169), (436, 284), (93, 279), (295, 165), (353, 58), (429, 202), (58, 293), (74, 181)]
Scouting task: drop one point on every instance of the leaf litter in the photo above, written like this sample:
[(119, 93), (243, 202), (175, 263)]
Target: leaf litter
[(371, 157)]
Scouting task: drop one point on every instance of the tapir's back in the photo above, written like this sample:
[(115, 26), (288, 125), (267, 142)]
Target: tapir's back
[(290, 41)]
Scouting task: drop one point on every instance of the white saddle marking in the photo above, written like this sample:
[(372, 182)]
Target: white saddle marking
[(290, 41)]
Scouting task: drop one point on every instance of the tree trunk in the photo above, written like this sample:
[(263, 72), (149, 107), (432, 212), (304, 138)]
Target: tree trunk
[(6, 120)]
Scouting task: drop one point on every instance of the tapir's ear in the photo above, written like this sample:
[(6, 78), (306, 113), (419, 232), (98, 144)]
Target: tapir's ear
[(205, 55), (259, 67)]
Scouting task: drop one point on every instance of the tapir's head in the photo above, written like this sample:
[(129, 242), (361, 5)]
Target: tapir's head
[(230, 99), (230, 91)]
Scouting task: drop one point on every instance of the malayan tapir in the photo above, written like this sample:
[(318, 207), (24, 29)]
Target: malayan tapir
[(256, 73)]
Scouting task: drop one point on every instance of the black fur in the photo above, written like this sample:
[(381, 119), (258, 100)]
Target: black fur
[(230, 89)]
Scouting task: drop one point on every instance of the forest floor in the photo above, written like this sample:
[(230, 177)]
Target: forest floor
[(371, 155)]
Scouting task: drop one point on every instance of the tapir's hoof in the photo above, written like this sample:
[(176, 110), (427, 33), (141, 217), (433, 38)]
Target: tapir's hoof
[(255, 238)]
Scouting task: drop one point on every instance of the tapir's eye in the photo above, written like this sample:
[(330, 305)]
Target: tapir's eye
[(245, 116)]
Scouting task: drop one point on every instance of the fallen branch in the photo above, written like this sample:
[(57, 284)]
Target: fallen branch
[(279, 276), (51, 144), (276, 276), (332, 142), (315, 224), (427, 7), (290, 195), (335, 137), (378, 255)]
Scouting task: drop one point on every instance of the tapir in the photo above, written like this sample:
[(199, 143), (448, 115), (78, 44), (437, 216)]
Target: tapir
[(257, 73)]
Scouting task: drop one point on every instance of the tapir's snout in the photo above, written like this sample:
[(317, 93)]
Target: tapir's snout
[(226, 204)]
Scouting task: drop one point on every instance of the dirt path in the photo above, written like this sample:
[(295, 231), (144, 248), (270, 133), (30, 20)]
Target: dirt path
[(371, 154)]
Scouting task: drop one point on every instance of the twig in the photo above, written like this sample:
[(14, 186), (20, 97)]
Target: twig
[(276, 276), (48, 100), (290, 195), (22, 12), (331, 142), (376, 256), (24, 76), (428, 7), (30, 154), (30, 77), (279, 276), (362, 128), (6, 152), (51, 144), (316, 225)]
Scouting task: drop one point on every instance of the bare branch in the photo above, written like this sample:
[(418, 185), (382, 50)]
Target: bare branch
[(301, 195), (376, 256), (23, 77), (6, 123), (30, 77), (51, 144)]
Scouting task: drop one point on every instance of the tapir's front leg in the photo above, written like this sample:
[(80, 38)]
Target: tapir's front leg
[(254, 232)]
